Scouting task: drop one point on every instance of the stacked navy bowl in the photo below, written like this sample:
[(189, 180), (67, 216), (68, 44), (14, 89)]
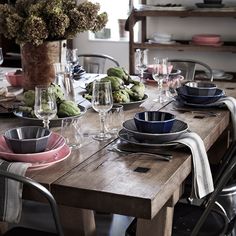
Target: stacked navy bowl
[(199, 93)]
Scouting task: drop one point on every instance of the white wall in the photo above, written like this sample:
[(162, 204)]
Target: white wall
[(180, 28)]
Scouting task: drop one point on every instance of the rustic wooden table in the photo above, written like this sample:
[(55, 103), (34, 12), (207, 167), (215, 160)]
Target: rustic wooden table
[(94, 178)]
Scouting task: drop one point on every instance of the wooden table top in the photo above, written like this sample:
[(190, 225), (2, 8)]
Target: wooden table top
[(93, 177)]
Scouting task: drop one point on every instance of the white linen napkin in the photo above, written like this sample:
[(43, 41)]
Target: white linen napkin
[(202, 180), (11, 192), (230, 102)]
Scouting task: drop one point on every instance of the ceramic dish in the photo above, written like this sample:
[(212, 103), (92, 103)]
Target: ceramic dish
[(210, 5), (53, 123), (206, 38), (61, 155), (178, 128), (55, 143), (182, 92), (128, 137), (184, 103), (132, 104)]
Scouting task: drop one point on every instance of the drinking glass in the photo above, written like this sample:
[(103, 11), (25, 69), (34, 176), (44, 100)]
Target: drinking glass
[(102, 102), (45, 106), (115, 119), (160, 74), (64, 79), (71, 130), (141, 62), (1, 58)]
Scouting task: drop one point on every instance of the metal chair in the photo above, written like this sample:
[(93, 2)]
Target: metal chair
[(188, 68), (96, 63), (20, 230), (208, 218)]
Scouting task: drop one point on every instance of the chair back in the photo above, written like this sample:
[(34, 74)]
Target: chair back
[(228, 171), (96, 63), (42, 190), (188, 68)]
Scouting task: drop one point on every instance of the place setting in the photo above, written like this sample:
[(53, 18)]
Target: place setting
[(34, 145), (158, 133)]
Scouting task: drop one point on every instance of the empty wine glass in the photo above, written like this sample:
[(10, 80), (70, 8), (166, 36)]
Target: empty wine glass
[(102, 102), (45, 106), (141, 62), (1, 58), (160, 73)]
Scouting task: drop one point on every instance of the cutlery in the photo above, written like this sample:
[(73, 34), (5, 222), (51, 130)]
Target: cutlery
[(209, 113), (160, 156)]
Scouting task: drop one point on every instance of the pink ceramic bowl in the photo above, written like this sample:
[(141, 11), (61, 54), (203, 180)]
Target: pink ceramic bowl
[(15, 80), (206, 38)]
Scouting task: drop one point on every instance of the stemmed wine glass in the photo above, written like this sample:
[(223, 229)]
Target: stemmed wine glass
[(102, 102), (1, 58), (45, 106), (141, 62), (160, 73)]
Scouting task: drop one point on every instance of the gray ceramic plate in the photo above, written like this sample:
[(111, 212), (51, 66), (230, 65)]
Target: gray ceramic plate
[(53, 123), (178, 128), (128, 137)]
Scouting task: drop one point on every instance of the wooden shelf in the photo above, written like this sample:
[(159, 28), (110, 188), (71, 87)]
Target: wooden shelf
[(180, 45)]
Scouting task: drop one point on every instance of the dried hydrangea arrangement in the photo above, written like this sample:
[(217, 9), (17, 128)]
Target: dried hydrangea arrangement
[(36, 21)]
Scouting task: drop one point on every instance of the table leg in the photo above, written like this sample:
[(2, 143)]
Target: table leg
[(3, 227), (77, 221), (160, 225)]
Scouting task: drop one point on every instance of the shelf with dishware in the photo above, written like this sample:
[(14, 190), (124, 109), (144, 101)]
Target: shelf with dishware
[(141, 13)]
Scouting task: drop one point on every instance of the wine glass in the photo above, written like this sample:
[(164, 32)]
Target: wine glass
[(141, 62), (45, 106), (1, 58), (160, 73), (102, 102)]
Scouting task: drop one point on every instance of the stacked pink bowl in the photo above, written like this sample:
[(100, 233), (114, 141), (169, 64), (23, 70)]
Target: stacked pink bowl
[(207, 39)]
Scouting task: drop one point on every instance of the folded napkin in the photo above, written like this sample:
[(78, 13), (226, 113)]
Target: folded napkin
[(11, 192), (202, 180), (230, 102)]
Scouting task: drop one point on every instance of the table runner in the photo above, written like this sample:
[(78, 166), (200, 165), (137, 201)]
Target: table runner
[(11, 192)]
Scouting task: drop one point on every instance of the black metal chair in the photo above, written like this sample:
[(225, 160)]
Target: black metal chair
[(188, 68), (208, 218), (29, 231), (97, 63)]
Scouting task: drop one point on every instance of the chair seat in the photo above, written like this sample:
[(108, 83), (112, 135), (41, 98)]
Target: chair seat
[(16, 231), (186, 217)]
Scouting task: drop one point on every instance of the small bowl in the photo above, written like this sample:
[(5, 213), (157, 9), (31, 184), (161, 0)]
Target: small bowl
[(27, 139), (15, 80), (154, 121), (200, 88)]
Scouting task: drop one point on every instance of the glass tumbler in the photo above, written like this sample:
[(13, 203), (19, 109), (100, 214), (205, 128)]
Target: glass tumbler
[(115, 119), (71, 130)]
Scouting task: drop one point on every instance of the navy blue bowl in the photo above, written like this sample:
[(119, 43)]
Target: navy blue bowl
[(200, 88), (156, 122), (195, 99)]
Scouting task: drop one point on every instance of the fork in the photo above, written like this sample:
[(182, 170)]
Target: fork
[(164, 157), (209, 113)]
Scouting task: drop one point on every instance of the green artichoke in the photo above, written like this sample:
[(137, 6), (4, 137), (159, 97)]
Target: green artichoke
[(68, 108), (116, 82), (121, 96)]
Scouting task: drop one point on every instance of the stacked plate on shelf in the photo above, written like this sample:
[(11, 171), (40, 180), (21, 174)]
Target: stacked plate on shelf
[(207, 40), (162, 38)]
